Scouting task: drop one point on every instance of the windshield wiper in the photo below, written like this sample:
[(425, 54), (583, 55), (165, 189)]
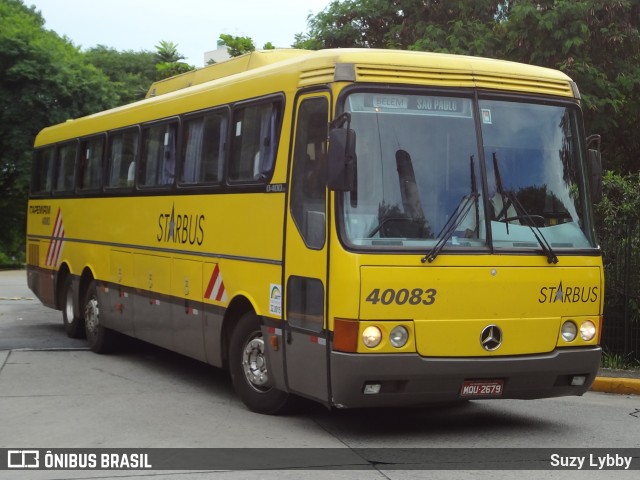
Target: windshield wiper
[(460, 212), (530, 222), (522, 214)]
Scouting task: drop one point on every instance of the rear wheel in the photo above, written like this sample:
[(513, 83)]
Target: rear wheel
[(100, 338), (249, 372), (73, 325)]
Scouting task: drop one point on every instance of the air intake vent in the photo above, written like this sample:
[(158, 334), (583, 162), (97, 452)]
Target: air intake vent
[(456, 78)]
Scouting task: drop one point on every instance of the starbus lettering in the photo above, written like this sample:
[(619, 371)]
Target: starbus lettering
[(568, 294), (180, 228)]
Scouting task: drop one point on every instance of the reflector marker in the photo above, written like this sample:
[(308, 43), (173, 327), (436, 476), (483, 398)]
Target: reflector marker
[(57, 242), (216, 290)]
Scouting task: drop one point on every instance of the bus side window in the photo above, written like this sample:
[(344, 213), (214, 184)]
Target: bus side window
[(43, 171), (203, 149), (65, 174), (90, 168), (158, 157), (254, 142), (308, 180), (123, 147)]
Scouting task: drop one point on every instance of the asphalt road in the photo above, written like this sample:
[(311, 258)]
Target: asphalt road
[(54, 393)]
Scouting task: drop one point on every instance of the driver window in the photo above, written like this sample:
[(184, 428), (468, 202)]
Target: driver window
[(308, 182)]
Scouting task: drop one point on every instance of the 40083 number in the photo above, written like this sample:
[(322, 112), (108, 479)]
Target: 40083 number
[(414, 296)]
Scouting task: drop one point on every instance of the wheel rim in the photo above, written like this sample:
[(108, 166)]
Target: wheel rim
[(92, 316), (68, 306), (254, 363)]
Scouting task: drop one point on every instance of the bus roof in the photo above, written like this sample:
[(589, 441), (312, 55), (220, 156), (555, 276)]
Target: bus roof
[(223, 69), (285, 70)]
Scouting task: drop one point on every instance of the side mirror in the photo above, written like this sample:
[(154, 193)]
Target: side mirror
[(341, 160), (594, 160)]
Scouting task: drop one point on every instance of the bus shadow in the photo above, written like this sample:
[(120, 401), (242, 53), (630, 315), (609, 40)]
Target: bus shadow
[(445, 421), (451, 422), (195, 373)]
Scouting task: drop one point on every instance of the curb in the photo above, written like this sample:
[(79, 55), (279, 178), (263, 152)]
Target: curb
[(616, 385)]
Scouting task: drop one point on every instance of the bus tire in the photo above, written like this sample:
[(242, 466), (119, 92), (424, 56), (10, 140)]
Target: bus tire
[(100, 338), (73, 325), (247, 364)]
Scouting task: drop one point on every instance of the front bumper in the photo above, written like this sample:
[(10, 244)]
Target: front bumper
[(410, 379)]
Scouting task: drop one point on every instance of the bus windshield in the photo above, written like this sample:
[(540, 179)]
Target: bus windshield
[(422, 180)]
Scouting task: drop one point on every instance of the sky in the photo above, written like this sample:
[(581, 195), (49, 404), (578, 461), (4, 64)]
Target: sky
[(194, 25)]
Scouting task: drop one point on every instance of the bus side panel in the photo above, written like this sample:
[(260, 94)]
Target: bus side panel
[(152, 321), (119, 312), (186, 308)]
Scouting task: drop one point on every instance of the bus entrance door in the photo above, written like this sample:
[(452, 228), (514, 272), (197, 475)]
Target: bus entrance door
[(306, 342)]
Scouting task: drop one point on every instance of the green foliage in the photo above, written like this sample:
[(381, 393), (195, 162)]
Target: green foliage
[(170, 69), (621, 198), (45, 80), (618, 361), (236, 46), (130, 72), (168, 61), (167, 52)]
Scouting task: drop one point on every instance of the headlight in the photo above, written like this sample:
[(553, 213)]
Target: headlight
[(569, 331), (587, 330), (399, 336), (371, 336)]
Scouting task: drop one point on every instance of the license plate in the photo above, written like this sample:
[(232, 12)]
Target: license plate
[(482, 388)]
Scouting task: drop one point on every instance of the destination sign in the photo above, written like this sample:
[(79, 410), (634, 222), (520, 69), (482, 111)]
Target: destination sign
[(413, 104)]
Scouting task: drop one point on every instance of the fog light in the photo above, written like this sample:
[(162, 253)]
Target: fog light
[(587, 330), (569, 331), (399, 336), (372, 388), (578, 380), (371, 336)]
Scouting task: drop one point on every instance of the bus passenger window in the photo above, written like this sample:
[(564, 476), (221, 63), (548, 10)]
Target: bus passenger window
[(65, 176), (203, 149), (254, 142), (123, 148), (158, 155), (43, 171), (90, 171)]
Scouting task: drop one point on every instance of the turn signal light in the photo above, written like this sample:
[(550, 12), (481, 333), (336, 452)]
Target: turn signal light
[(345, 335)]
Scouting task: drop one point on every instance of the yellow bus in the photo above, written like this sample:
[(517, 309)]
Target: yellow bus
[(359, 227)]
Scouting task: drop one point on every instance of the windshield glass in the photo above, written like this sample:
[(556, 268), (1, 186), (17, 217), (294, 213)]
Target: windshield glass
[(534, 173), (419, 180)]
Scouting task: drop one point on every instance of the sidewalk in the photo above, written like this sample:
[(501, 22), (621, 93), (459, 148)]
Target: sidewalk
[(617, 381)]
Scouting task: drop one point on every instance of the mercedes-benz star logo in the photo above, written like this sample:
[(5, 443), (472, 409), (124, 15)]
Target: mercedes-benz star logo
[(491, 338)]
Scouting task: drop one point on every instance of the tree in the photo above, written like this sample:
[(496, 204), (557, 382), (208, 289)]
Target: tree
[(167, 52), (168, 61), (45, 80), (132, 73), (435, 25), (236, 46)]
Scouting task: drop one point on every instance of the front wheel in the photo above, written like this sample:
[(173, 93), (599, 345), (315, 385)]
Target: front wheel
[(249, 372), (100, 338)]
